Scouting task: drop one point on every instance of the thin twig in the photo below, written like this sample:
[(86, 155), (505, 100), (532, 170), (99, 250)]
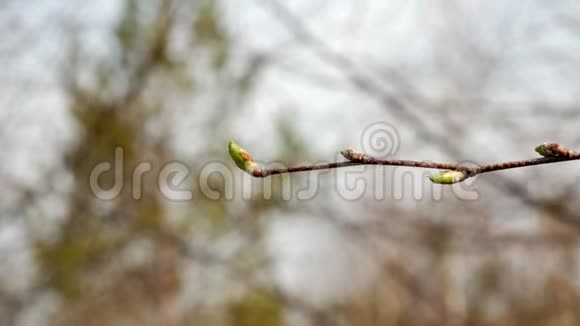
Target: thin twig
[(471, 169), (265, 172), (367, 85), (304, 168), (552, 153)]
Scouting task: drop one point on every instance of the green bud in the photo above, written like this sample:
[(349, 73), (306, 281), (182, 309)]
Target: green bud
[(243, 159), (550, 150), (542, 150), (448, 177)]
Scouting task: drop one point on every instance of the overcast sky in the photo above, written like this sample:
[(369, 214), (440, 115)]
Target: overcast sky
[(377, 35)]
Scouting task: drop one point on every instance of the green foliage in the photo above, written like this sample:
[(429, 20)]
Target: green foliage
[(67, 262), (256, 308)]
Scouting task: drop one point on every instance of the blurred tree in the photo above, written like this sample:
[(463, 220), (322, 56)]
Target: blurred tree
[(152, 261), (113, 108)]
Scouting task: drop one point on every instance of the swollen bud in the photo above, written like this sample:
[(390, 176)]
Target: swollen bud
[(243, 159), (551, 150), (448, 177)]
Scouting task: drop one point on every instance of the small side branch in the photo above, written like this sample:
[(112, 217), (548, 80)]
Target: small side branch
[(453, 173)]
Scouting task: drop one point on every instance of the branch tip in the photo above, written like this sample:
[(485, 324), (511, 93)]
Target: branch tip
[(243, 159), (554, 150)]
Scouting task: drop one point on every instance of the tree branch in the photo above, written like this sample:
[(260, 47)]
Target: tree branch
[(366, 84), (454, 172)]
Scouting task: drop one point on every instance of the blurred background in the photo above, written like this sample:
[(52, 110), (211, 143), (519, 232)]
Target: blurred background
[(294, 82)]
